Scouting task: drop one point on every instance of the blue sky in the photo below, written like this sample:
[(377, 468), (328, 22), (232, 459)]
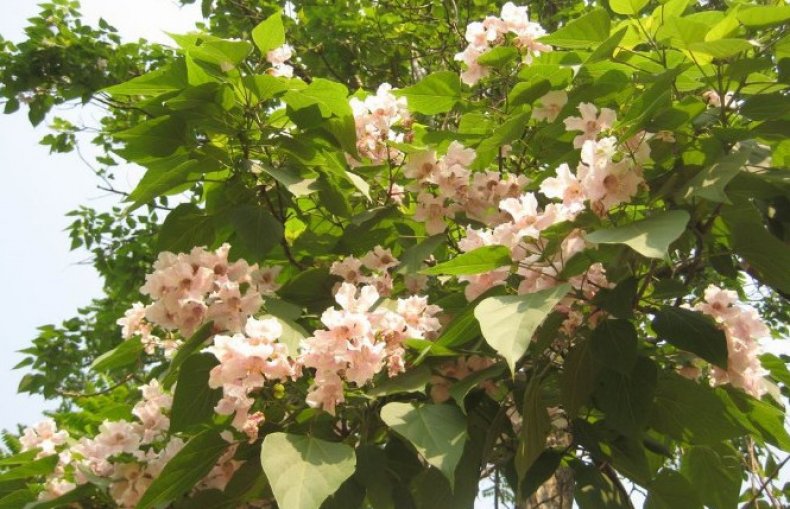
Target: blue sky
[(44, 280)]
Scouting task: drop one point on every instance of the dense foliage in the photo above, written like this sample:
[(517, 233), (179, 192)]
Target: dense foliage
[(391, 254)]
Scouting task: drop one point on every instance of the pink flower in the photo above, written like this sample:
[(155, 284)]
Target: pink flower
[(379, 259), (432, 211), (566, 187), (590, 123), (551, 105), (44, 436), (277, 57)]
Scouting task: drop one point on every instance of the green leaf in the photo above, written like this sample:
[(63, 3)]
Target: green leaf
[(766, 106), (17, 499), (193, 399), (224, 53), (36, 468), (768, 257), (688, 411), (499, 56), (460, 389), (509, 131), (594, 490), (436, 93), (579, 374), (526, 92), (184, 470), (767, 420), (627, 399), (763, 15), (721, 48), (303, 471), (158, 181), (126, 353), (711, 182), (614, 344), (269, 34), (534, 430), (191, 345), (482, 259), (670, 490), (292, 335), (508, 322), (373, 475), (716, 477), (627, 7), (186, 227), (78, 494), (413, 258), (619, 301), (438, 432), (584, 32), (311, 288), (169, 78), (413, 380), (692, 331), (257, 230), (649, 237), (158, 137)]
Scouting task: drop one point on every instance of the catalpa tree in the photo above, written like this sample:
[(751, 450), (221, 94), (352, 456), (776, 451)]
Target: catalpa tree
[(402, 254)]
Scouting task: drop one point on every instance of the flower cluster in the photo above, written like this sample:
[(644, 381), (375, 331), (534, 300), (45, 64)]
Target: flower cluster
[(494, 31), (278, 58), (246, 362), (190, 289), (743, 328), (360, 339), (371, 269), (375, 117), (129, 455), (446, 186), (609, 173)]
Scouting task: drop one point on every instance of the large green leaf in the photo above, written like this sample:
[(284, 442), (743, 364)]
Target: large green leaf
[(594, 490), (614, 344), (438, 432), (193, 399), (436, 93), (534, 430), (715, 475), (36, 468), (768, 257), (184, 470), (412, 259), (126, 353), (190, 346), (482, 259), (694, 413), (670, 490), (508, 322), (692, 331), (257, 231), (649, 237), (628, 7), (413, 379), (763, 15), (583, 32), (711, 182), (303, 471), (627, 399), (158, 137), (169, 78), (186, 227), (489, 148), (269, 34), (579, 373), (159, 181)]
